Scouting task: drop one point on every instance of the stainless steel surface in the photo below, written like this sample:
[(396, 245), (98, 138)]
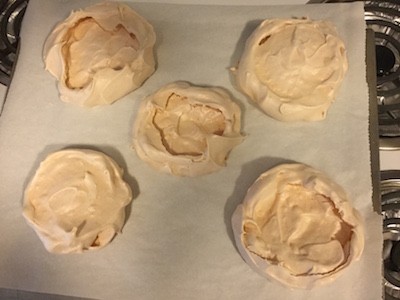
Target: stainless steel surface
[(383, 17), (390, 190)]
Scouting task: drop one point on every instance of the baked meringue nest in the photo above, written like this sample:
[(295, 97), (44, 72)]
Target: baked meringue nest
[(293, 68), (297, 227), (76, 201), (187, 130), (100, 54)]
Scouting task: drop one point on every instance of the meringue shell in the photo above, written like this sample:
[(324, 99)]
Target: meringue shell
[(297, 227), (187, 130), (293, 68), (76, 201), (100, 54)]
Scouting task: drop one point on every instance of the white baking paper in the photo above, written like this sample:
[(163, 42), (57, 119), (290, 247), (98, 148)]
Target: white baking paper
[(177, 242)]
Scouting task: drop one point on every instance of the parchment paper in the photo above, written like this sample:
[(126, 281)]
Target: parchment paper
[(177, 242)]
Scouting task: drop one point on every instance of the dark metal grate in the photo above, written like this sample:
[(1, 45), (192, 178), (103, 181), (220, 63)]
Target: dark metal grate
[(390, 191), (12, 12)]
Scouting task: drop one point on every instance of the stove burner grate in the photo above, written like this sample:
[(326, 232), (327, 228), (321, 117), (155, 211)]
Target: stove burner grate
[(390, 194), (383, 18), (12, 12)]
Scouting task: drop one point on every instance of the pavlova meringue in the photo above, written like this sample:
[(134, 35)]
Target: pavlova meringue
[(293, 68), (76, 201), (297, 227), (187, 130), (100, 54)]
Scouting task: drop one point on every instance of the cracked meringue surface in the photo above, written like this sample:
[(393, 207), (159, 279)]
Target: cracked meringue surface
[(100, 54), (76, 201), (297, 227), (293, 68), (187, 130)]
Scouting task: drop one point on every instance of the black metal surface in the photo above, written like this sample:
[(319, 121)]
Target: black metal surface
[(11, 15), (385, 61)]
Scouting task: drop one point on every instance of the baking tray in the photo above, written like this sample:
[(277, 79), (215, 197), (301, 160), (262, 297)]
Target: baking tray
[(177, 241)]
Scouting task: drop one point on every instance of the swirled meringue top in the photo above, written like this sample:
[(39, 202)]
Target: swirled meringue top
[(100, 54), (186, 130), (298, 227), (76, 201), (293, 68)]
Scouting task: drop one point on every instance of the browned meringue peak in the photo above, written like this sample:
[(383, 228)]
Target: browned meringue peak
[(182, 128), (298, 227), (187, 130), (100, 54), (293, 68), (76, 201), (111, 49)]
